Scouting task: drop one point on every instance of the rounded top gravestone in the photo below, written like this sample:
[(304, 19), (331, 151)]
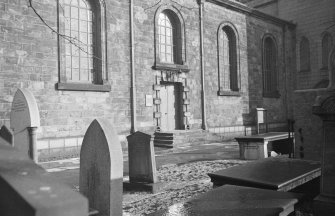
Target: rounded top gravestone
[(24, 111)]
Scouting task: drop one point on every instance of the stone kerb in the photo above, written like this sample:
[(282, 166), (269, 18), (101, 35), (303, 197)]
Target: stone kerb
[(24, 120), (142, 163), (26, 189), (6, 135), (101, 168)]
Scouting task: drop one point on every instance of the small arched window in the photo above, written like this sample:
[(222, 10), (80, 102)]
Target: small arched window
[(270, 84), (327, 43), (228, 65), (304, 55)]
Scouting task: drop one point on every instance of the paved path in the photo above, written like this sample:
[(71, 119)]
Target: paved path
[(67, 171)]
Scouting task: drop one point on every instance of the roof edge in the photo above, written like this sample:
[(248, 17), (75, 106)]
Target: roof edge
[(252, 12)]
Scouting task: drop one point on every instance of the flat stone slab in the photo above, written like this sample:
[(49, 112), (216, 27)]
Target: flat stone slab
[(270, 136), (235, 201), (28, 190), (255, 147), (280, 174)]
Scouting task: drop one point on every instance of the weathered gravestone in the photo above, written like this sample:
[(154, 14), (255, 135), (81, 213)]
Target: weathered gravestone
[(101, 168), (24, 120), (142, 163), (6, 135), (261, 119), (325, 108)]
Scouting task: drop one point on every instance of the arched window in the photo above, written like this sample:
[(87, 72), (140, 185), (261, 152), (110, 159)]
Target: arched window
[(270, 84), (79, 51), (304, 55), (228, 65), (169, 40), (327, 43), (166, 37), (82, 48)]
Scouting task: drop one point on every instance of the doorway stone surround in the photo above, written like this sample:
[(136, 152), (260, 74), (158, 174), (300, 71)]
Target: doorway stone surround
[(171, 77)]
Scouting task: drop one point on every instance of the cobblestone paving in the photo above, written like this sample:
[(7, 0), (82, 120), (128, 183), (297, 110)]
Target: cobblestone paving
[(182, 182)]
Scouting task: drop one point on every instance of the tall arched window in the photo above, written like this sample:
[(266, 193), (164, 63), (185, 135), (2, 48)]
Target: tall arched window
[(166, 37), (79, 53), (228, 65), (304, 55), (270, 85), (82, 46), (169, 40), (327, 43)]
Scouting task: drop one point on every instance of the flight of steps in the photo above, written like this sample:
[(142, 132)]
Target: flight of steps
[(184, 138)]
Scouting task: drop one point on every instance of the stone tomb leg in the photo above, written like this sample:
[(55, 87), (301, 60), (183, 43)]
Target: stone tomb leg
[(101, 168), (24, 120)]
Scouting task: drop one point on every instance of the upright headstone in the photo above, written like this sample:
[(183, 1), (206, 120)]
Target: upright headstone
[(6, 135), (325, 108), (142, 163), (101, 168), (24, 120), (261, 119)]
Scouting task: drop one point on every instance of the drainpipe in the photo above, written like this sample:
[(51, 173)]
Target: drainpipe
[(203, 104), (132, 70), (285, 72)]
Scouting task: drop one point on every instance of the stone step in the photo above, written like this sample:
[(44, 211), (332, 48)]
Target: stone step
[(185, 138)]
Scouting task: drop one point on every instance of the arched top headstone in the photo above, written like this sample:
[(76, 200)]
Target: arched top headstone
[(101, 168), (142, 163), (331, 66), (24, 112)]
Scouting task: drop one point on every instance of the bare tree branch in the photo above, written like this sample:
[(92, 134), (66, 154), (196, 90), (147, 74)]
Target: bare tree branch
[(154, 5), (182, 6), (72, 40)]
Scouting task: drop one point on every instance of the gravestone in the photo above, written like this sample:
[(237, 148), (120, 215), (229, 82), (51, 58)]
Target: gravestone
[(101, 168), (24, 120), (261, 119), (142, 163), (6, 135), (324, 107)]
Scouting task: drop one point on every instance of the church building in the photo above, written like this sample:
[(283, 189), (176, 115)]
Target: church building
[(184, 71)]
